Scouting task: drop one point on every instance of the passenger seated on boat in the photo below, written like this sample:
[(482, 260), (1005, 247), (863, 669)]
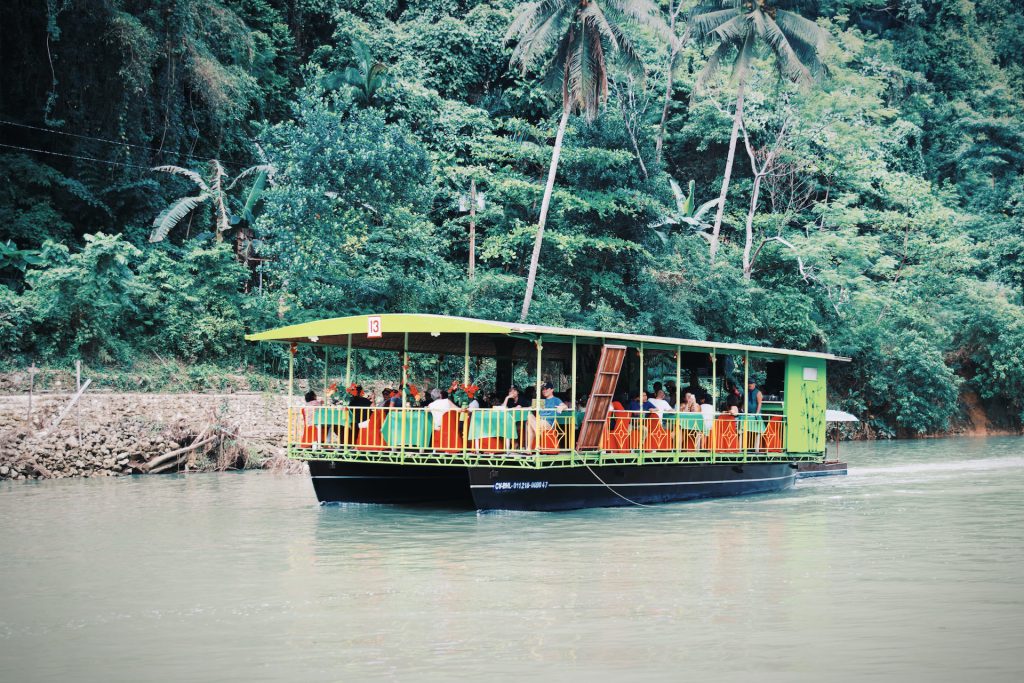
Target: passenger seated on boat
[(670, 393), (439, 406), (660, 404), (708, 413), (690, 404), (640, 403), (511, 399), (310, 431), (551, 407), (385, 395)]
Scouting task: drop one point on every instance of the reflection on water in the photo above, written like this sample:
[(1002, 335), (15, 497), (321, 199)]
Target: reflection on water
[(910, 567)]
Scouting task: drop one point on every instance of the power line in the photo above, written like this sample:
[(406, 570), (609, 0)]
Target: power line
[(110, 142), (75, 156)]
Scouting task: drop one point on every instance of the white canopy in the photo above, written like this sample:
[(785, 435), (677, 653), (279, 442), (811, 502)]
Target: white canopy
[(839, 416)]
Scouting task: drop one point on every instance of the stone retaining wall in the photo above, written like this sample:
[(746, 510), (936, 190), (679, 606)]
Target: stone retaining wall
[(110, 431)]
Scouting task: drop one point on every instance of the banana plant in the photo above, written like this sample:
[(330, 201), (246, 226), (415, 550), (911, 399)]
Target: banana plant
[(213, 190), (686, 213)]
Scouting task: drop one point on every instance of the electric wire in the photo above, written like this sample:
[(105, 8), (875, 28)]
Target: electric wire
[(114, 142), (75, 156)]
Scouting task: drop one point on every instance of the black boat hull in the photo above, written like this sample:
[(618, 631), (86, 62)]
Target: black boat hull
[(571, 488), (357, 482), (547, 489)]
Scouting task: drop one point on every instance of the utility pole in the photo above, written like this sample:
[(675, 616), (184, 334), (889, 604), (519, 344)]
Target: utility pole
[(472, 228)]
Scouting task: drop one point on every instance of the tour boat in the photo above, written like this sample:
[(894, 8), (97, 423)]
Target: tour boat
[(576, 447)]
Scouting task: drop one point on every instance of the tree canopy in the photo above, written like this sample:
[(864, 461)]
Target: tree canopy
[(878, 211)]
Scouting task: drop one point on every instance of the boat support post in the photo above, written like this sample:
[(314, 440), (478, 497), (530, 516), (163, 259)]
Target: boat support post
[(348, 383), (571, 440)]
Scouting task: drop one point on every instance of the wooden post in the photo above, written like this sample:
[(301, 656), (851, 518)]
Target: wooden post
[(472, 228), (327, 351), (78, 412), (465, 369), (31, 389)]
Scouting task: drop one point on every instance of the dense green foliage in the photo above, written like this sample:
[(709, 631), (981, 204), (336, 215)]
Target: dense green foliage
[(888, 226)]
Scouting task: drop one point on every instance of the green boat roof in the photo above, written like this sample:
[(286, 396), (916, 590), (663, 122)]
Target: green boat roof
[(436, 333)]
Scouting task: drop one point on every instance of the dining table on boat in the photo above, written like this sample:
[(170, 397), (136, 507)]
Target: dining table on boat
[(692, 422), (499, 423), (335, 416), (407, 428)]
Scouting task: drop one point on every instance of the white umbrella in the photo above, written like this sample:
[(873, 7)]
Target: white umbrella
[(839, 416)]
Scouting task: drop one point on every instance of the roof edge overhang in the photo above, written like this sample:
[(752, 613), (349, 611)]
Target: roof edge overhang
[(329, 329)]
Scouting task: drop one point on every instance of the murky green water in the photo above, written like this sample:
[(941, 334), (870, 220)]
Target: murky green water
[(910, 568)]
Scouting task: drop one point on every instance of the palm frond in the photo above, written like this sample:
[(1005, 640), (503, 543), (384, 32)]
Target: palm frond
[(173, 214), (744, 58), (526, 14), (702, 25), (733, 31), (794, 25), (789, 63), (711, 68), (643, 13), (592, 15), (537, 40), (191, 175)]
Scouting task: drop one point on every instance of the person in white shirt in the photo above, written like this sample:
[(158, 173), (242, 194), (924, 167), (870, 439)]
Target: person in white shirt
[(661, 406), (438, 406), (708, 411)]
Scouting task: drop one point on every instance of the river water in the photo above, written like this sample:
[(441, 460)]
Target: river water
[(909, 568)]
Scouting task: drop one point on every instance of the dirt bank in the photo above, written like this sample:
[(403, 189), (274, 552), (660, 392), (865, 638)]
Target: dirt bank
[(110, 434)]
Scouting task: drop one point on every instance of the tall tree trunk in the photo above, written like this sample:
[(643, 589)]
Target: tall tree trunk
[(673, 13), (545, 203), (660, 139), (754, 194), (728, 170)]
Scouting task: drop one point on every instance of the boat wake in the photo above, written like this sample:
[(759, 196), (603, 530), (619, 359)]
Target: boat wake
[(978, 464)]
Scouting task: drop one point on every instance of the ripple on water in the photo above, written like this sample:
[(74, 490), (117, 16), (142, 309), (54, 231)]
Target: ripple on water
[(910, 568)]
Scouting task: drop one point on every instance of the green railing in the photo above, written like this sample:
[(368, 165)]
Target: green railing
[(532, 438)]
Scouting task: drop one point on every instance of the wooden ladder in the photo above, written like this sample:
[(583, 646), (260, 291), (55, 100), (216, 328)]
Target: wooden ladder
[(601, 395)]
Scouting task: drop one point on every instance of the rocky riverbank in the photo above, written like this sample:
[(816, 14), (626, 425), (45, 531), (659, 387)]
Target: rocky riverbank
[(120, 434)]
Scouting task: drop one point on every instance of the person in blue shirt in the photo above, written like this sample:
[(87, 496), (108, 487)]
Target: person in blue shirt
[(551, 405), (641, 403)]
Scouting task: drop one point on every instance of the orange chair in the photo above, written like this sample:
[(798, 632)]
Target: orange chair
[(658, 438), (490, 444), (724, 435), (549, 440), (311, 433), (771, 440), (448, 438), (370, 438), (616, 439)]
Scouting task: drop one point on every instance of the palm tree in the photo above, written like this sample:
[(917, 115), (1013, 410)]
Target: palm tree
[(575, 40), (367, 76), (738, 27), (214, 191)]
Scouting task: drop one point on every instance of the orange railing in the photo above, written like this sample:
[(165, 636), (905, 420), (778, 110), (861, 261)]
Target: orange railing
[(527, 431)]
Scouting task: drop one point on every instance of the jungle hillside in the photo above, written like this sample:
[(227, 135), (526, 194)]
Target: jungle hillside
[(840, 175)]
